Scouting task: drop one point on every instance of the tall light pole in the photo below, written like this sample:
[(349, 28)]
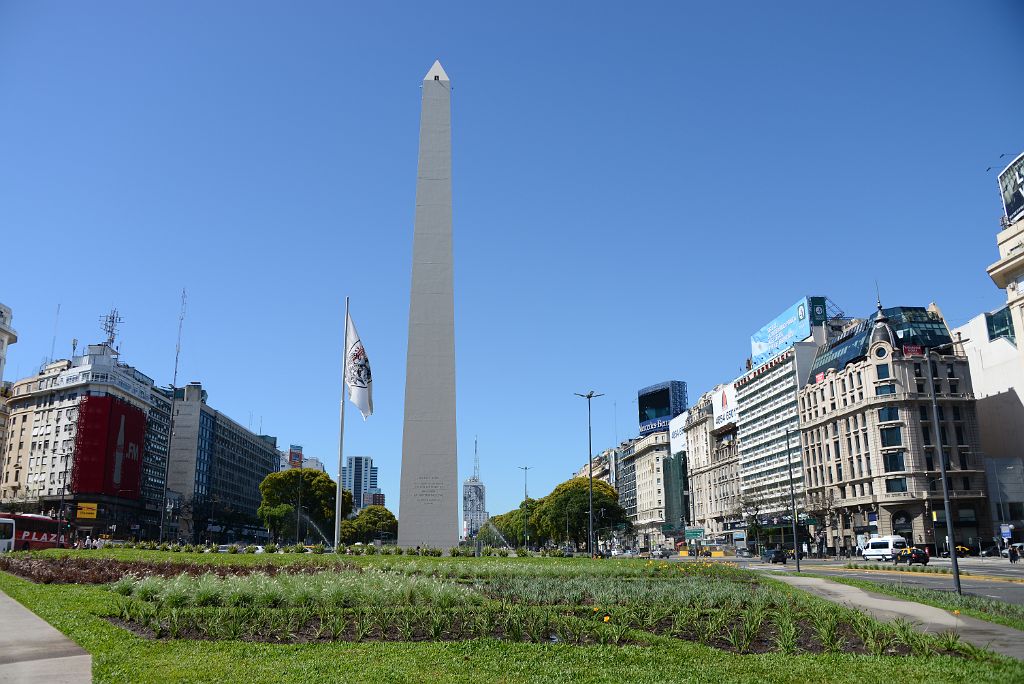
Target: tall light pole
[(590, 470), (526, 509), (792, 501), (942, 465)]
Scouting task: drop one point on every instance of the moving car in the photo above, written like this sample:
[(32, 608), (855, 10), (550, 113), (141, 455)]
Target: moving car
[(884, 548), (774, 556), (911, 556)]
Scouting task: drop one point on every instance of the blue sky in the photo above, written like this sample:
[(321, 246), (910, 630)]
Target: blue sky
[(636, 191)]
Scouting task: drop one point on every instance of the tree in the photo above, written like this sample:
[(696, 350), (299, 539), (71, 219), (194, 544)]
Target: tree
[(373, 521), (277, 518), (318, 498), (568, 506), (749, 507)]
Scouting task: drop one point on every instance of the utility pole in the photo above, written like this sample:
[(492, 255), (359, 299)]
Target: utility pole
[(590, 471), (174, 394), (526, 509)]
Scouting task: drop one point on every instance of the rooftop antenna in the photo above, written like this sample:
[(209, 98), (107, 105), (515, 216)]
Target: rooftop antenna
[(109, 324), (53, 342), (476, 461), (878, 295), (74, 346)]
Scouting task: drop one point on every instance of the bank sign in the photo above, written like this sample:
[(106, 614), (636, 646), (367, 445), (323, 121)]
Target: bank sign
[(1011, 187), (724, 406), (793, 325)]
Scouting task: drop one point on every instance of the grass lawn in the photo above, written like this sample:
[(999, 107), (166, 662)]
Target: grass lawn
[(78, 610), (1001, 612)]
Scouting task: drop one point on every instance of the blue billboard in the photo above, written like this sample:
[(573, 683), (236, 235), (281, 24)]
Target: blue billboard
[(792, 325)]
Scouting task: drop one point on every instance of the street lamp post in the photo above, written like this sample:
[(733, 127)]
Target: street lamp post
[(792, 502), (590, 471), (526, 509), (951, 543)]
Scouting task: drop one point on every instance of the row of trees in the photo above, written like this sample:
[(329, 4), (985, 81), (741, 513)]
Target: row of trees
[(281, 494), (560, 517)]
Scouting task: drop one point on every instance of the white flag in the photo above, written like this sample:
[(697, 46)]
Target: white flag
[(357, 372)]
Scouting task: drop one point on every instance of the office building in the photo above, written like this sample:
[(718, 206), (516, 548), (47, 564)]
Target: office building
[(642, 488), (870, 452), (76, 434), (217, 466), (359, 476), (154, 467), (658, 404), (781, 355), (714, 474)]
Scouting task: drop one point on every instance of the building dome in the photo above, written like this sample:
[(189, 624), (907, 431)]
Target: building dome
[(882, 331)]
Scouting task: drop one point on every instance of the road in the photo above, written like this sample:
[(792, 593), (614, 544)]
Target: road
[(1000, 588)]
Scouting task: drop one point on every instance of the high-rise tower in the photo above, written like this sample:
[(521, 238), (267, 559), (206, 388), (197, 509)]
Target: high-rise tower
[(428, 511), (7, 336)]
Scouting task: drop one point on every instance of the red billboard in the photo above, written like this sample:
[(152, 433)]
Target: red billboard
[(108, 448)]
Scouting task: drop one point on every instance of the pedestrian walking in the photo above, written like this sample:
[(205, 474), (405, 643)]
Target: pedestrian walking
[(1014, 556)]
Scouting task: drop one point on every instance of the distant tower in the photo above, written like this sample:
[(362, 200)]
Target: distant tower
[(7, 336), (474, 499), (429, 508), (359, 476)]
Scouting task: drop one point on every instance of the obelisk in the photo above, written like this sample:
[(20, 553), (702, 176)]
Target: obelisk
[(428, 513)]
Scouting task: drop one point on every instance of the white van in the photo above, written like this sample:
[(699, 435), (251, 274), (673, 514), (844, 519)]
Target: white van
[(6, 535), (883, 548)]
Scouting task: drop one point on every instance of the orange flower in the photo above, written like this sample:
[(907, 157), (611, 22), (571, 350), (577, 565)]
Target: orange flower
[(607, 618), (595, 609), (956, 612)]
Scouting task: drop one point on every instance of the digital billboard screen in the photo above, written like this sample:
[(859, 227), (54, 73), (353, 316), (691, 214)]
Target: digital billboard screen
[(1011, 187), (791, 326), (658, 404)]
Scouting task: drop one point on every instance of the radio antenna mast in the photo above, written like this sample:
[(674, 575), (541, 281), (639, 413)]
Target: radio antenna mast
[(174, 395), (476, 461), (109, 324), (53, 342)]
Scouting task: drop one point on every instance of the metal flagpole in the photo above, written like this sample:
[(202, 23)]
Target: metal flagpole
[(341, 433)]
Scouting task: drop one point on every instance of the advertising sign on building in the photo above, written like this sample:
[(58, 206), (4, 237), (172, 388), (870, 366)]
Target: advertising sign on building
[(658, 404), (724, 406), (677, 433), (86, 510), (294, 456), (1011, 187), (108, 448), (793, 325)]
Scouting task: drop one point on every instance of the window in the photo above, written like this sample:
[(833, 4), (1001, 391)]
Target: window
[(920, 388), (891, 436), (929, 462), (893, 461), (956, 413), (883, 390), (888, 413), (959, 434), (967, 483), (896, 485), (917, 370), (883, 370), (963, 461), (954, 388)]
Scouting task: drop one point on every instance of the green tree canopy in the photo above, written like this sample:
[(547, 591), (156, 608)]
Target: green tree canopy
[(280, 490), (373, 521), (569, 505)]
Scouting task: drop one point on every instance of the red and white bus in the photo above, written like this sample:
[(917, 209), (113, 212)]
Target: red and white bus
[(32, 531)]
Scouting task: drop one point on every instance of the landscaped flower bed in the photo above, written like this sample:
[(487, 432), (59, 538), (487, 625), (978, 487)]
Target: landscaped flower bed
[(616, 604)]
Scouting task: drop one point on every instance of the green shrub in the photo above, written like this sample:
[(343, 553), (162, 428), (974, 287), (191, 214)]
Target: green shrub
[(164, 547), (503, 552), (298, 548), (233, 549), (250, 549), (370, 550), (398, 550), (356, 550), (318, 548), (270, 548)]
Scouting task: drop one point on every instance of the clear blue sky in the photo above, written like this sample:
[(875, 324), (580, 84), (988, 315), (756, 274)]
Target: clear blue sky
[(636, 191)]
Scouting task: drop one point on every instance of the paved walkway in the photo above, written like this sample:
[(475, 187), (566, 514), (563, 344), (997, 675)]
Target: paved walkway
[(32, 651), (998, 638)]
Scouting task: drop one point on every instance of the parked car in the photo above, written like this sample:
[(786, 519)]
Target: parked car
[(961, 551), (774, 556), (992, 551), (660, 553), (744, 553), (911, 556)]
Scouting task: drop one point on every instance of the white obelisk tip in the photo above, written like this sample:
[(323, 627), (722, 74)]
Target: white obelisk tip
[(436, 73)]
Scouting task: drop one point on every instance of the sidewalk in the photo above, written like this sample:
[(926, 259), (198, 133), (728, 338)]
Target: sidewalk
[(32, 651), (997, 638)]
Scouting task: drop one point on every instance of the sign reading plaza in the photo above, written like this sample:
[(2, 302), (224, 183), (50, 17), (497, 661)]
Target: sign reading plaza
[(793, 325), (1011, 187)]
